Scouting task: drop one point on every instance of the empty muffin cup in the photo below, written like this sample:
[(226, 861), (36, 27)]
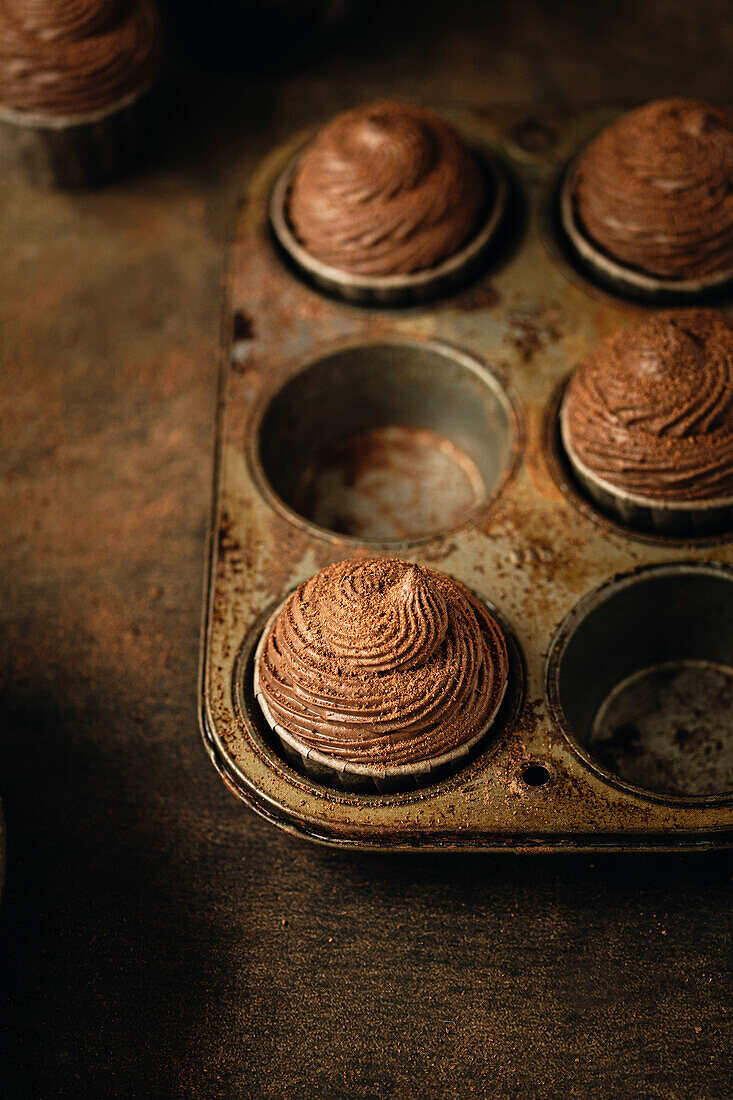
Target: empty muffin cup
[(388, 205), (640, 677), (386, 442), (380, 675), (646, 205)]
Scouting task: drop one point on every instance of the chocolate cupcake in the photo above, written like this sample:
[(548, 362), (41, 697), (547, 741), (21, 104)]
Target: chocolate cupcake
[(379, 674), (73, 75), (388, 204), (647, 423), (649, 203)]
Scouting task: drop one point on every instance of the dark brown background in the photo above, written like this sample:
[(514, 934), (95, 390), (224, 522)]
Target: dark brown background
[(157, 939)]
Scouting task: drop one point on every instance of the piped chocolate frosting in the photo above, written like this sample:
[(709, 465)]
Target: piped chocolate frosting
[(386, 189), (73, 57), (383, 663), (651, 409), (653, 190)]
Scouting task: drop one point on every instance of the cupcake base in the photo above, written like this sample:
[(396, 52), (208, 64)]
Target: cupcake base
[(76, 151), (677, 519), (393, 290), (617, 276), (364, 778)]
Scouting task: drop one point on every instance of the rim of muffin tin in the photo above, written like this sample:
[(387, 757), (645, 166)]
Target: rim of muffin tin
[(578, 613), (651, 515), (369, 779), (611, 272), (393, 290)]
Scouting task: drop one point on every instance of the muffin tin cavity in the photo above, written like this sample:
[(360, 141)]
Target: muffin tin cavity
[(641, 677), (388, 442)]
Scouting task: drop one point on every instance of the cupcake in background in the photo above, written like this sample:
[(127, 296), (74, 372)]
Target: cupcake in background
[(651, 196), (380, 674), (388, 203), (74, 78), (386, 189), (647, 423)]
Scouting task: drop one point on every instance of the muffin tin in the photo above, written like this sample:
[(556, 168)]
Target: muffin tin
[(430, 433)]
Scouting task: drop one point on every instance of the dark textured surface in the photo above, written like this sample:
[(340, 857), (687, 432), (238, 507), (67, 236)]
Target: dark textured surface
[(156, 939)]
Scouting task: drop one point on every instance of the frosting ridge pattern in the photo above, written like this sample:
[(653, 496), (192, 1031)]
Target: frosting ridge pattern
[(653, 190), (386, 189), (382, 662), (650, 410), (67, 57)]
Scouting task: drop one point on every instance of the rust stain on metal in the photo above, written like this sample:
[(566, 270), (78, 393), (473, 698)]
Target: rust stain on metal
[(532, 330)]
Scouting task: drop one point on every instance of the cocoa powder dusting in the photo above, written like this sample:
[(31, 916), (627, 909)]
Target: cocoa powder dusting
[(383, 662), (651, 409), (654, 189)]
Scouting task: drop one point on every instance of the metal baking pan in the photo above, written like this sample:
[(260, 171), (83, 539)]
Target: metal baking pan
[(430, 433)]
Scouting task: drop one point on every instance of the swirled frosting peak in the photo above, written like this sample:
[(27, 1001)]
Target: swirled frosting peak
[(69, 57), (386, 189), (653, 190), (382, 663), (651, 409)]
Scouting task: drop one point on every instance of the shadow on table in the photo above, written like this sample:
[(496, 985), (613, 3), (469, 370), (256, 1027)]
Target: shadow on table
[(105, 947)]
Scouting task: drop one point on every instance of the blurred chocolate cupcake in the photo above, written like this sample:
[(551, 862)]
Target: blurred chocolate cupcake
[(649, 201), (379, 674), (73, 75), (647, 423), (388, 204)]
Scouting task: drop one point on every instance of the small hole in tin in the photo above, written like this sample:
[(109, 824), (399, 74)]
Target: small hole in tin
[(533, 136), (535, 775), (642, 674), (388, 442)]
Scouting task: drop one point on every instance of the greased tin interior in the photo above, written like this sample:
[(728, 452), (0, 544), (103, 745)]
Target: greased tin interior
[(531, 545)]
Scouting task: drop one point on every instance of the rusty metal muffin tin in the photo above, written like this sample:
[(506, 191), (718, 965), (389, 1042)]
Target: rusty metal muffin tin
[(522, 535)]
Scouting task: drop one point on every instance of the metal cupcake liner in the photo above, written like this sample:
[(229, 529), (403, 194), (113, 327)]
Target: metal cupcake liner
[(363, 777), (674, 518), (392, 290), (77, 150), (618, 275)]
